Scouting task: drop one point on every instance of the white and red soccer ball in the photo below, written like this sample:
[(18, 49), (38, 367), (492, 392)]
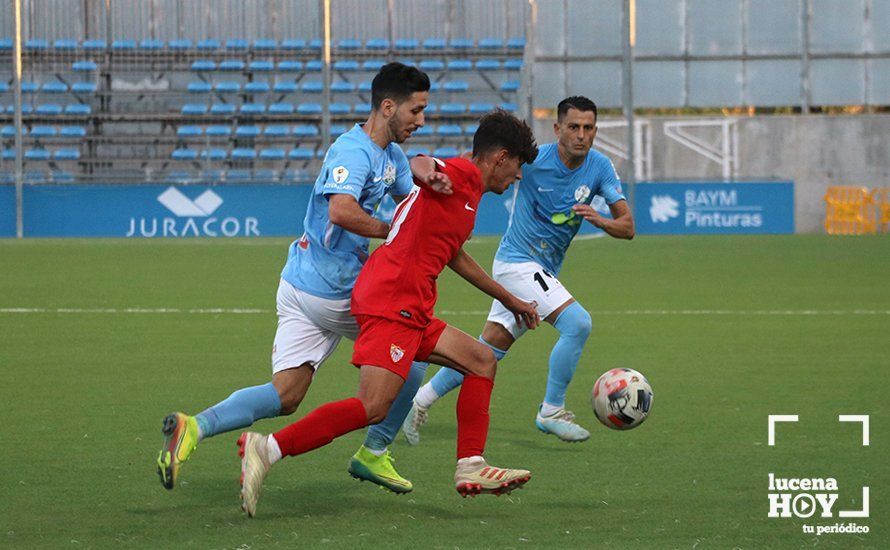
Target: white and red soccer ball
[(621, 399)]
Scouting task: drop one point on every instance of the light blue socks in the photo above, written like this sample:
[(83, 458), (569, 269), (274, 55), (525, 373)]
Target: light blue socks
[(239, 410), (574, 325), (382, 434)]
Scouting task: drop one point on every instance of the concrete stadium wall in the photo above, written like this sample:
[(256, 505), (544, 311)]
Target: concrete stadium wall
[(813, 151)]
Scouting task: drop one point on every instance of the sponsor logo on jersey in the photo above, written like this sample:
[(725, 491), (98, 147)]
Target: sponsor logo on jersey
[(582, 193), (340, 174), (396, 353)]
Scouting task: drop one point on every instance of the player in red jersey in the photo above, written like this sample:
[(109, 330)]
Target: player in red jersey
[(393, 302)]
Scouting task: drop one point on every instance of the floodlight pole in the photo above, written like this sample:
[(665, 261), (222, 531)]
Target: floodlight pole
[(17, 53), (628, 30)]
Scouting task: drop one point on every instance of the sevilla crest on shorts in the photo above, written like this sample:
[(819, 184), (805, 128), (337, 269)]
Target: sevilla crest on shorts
[(396, 353)]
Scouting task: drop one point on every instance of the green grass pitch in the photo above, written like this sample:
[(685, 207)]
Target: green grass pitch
[(727, 329)]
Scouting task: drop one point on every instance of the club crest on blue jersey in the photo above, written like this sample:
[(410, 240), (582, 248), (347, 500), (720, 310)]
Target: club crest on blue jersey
[(582, 193), (389, 174)]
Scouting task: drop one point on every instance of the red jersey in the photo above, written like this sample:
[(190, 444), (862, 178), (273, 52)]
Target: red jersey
[(428, 229)]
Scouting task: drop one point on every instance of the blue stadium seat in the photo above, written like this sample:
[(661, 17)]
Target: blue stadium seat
[(72, 131), (377, 44), (513, 64), (479, 108), (510, 86), (194, 109), (340, 108), (43, 131), (253, 109), (238, 44), (282, 108), (29, 87), (123, 45), (414, 151), (218, 131), (37, 154), (424, 131), (293, 44), (221, 109), (203, 65), (272, 154), (6, 44), (61, 176), (54, 87), (50, 109), (231, 65), (373, 65), (27, 109), (406, 44), (285, 87), (516, 44), (434, 44), (151, 45), (94, 44), (509, 107), (432, 65), (431, 109), (214, 153), (199, 87), (461, 44), (189, 131), (247, 131), (237, 175), (341, 87), (435, 87), (312, 87), (265, 174), (77, 109), (470, 129), (243, 153), (314, 66), (309, 109), (305, 130), (83, 88), (208, 44), (449, 130), (212, 175), (456, 86), (276, 131), (258, 65), (362, 108), (4, 87), (36, 44), (365, 87), (453, 109), (265, 44), (66, 154), (228, 86), (290, 66), (184, 154), (446, 152), (349, 44), (297, 154), (346, 65), (315, 44), (491, 44), (9, 131), (9, 154), (460, 65), (84, 66), (65, 44), (256, 87), (34, 176), (179, 176), (180, 44), (488, 65)]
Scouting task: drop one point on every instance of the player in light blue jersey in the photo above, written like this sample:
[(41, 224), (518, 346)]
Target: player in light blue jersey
[(552, 200), (313, 300)]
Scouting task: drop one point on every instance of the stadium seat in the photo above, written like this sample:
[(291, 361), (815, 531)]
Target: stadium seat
[(338, 130), (66, 154), (50, 109), (180, 44), (479, 108), (470, 129), (309, 109), (9, 154), (276, 131), (4, 87), (510, 86), (189, 131), (29, 87), (258, 65), (282, 108), (218, 131), (434, 44), (227, 86), (83, 88), (432, 65), (340, 108), (290, 66), (295, 154), (36, 44), (27, 109), (179, 176), (151, 45), (199, 87), (305, 130), (460, 65), (256, 87), (453, 109), (313, 66), (377, 44), (265, 44), (373, 65), (123, 45), (461, 44), (203, 65), (9, 131), (414, 151), (315, 44), (242, 153), (285, 87), (253, 109), (513, 64), (424, 131), (364, 87), (346, 65), (488, 64), (34, 176), (208, 44), (406, 44), (516, 44), (238, 44), (449, 130), (65, 44), (491, 44), (212, 175), (194, 109), (342, 87), (509, 107), (265, 174), (272, 154), (231, 65), (293, 44), (84, 66), (362, 108), (247, 131), (446, 152), (312, 87), (214, 153), (77, 109), (349, 44), (456, 86), (431, 109), (42, 131), (6, 44), (61, 176), (72, 131), (220, 109), (54, 87), (93, 45), (184, 154), (238, 175)]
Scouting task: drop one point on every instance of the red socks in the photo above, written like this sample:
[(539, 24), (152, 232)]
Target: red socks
[(472, 415), (323, 425)]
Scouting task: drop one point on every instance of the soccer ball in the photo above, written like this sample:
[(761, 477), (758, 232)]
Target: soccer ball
[(621, 399)]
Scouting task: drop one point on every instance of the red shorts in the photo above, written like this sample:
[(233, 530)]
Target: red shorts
[(392, 345)]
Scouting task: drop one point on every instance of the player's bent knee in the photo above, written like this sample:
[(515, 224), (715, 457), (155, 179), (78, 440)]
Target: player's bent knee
[(575, 322), (376, 409), (483, 362)]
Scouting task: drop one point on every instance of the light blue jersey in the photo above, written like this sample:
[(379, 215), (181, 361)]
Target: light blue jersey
[(542, 224), (326, 260)]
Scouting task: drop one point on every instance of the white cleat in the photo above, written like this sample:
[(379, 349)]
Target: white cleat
[(475, 477), (562, 425), (254, 467), (416, 418)]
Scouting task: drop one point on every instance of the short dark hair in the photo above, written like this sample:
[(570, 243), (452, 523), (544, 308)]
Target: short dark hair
[(397, 81), (501, 130), (578, 102)]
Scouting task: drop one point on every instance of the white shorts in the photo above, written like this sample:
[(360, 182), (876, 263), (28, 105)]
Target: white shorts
[(530, 282), (309, 328)]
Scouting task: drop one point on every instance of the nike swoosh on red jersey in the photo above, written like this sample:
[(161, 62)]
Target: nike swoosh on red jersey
[(467, 206)]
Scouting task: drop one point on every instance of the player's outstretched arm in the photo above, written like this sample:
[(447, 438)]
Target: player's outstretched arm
[(464, 265), (345, 211), (426, 175), (621, 226)]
